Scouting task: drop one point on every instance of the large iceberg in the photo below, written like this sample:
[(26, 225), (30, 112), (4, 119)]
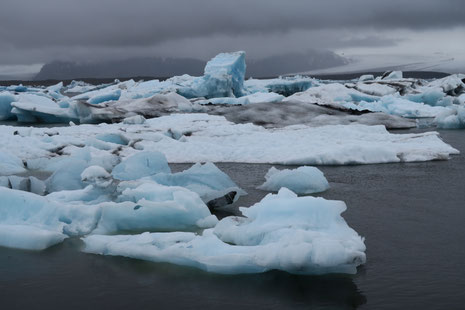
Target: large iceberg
[(303, 235)]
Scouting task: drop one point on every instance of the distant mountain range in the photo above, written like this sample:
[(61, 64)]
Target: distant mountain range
[(166, 67)]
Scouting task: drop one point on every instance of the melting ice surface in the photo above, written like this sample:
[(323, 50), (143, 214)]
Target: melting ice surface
[(297, 234)]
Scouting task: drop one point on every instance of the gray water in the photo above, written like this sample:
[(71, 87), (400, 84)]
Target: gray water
[(412, 215)]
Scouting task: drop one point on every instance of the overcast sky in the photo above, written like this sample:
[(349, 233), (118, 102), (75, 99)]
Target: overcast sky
[(33, 32)]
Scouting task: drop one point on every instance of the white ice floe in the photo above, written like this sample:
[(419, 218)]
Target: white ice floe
[(302, 180), (303, 235), (206, 138)]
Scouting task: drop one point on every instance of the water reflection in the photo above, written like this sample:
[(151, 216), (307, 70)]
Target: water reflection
[(64, 277)]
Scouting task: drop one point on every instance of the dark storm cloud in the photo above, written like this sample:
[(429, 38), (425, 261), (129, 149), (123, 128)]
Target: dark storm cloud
[(39, 27)]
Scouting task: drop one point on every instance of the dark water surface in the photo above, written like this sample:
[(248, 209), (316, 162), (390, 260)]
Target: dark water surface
[(412, 215)]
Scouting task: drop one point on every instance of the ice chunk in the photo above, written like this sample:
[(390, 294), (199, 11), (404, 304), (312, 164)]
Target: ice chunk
[(206, 180), (5, 106), (28, 237), (157, 105), (452, 85), (150, 206), (264, 97), (37, 186), (375, 89), (226, 71), (397, 106), (223, 77), (104, 97), (328, 94), (366, 77), (29, 221), (17, 88), (393, 75), (36, 107), (303, 235), (285, 86), (97, 176), (10, 164), (225, 100), (67, 176), (303, 180), (453, 118), (141, 165), (134, 120)]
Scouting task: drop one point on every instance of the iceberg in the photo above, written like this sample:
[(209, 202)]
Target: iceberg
[(223, 77), (303, 180), (302, 235)]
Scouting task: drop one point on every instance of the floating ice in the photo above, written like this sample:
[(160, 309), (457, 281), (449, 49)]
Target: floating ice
[(67, 176), (29, 184), (214, 139), (223, 77), (5, 106), (208, 138), (285, 86), (397, 106), (10, 164), (394, 75), (29, 221), (157, 105), (303, 180), (206, 180), (36, 222), (453, 118), (303, 235), (39, 108), (141, 165), (97, 176), (150, 206)]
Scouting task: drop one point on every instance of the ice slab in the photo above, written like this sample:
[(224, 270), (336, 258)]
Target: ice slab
[(206, 138), (314, 236), (302, 180), (214, 139), (28, 237)]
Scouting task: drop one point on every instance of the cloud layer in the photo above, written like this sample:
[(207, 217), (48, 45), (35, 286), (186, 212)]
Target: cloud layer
[(33, 31)]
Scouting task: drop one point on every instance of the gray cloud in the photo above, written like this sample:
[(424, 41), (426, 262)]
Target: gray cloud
[(43, 30)]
